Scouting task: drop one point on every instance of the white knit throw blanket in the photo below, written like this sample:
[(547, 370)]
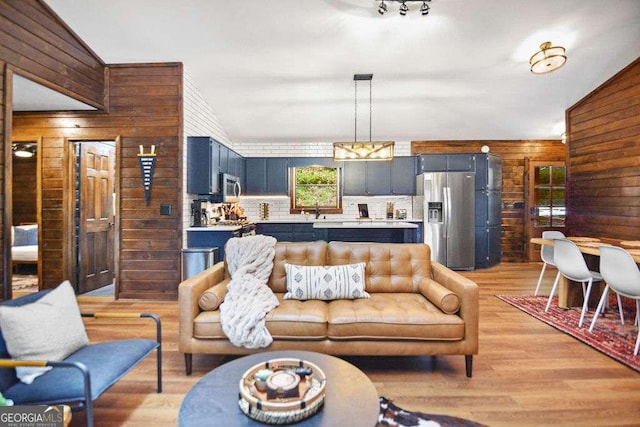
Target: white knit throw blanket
[(248, 299)]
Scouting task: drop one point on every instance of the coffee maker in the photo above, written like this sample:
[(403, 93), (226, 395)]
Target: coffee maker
[(199, 214)]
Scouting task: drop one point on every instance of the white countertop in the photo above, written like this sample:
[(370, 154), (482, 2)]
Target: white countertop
[(216, 228), (364, 224), (320, 220)]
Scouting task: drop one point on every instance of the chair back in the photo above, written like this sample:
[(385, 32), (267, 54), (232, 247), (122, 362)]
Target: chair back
[(546, 252), (570, 261), (620, 271)]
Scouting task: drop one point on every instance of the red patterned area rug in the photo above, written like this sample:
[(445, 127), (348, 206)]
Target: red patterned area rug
[(394, 416), (609, 336)]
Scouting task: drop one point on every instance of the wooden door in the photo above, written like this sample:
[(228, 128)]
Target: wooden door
[(544, 201), (96, 215)]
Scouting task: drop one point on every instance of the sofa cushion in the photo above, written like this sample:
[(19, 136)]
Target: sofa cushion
[(299, 253), (50, 328), (327, 282), (213, 297), (443, 298), (290, 319), (401, 316), (390, 267)]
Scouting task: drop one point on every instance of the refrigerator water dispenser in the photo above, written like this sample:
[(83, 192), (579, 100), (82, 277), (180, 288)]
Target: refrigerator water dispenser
[(434, 212)]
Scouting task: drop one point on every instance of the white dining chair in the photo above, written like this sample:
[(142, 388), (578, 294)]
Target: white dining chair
[(621, 274), (571, 264), (546, 253)]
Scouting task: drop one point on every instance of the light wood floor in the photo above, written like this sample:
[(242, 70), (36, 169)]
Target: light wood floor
[(526, 373)]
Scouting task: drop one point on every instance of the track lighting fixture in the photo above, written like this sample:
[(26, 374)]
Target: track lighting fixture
[(404, 8)]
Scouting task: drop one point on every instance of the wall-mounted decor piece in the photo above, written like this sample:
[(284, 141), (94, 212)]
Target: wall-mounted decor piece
[(147, 165)]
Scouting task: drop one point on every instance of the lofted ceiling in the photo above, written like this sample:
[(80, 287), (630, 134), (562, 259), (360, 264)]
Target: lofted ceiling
[(282, 70)]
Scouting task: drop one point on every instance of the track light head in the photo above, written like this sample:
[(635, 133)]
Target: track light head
[(382, 8), (404, 9), (424, 9)]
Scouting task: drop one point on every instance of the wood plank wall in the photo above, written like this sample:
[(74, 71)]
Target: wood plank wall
[(39, 46), (604, 159), (513, 154), (24, 184), (5, 247), (145, 109)]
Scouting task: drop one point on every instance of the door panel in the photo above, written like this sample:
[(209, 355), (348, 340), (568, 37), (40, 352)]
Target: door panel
[(96, 216), (544, 201), (460, 220)]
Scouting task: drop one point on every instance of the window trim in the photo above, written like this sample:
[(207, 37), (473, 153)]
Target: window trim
[(322, 210)]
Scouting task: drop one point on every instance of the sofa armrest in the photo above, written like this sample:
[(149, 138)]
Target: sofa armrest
[(469, 295), (189, 293)]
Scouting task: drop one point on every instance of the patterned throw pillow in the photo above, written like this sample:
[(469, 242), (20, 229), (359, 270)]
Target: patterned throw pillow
[(326, 282)]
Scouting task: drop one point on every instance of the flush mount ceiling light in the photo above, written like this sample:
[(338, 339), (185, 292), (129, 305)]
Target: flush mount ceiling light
[(363, 150), (547, 59), (403, 9), (24, 149)]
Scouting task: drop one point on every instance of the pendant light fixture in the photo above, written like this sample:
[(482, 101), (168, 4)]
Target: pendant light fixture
[(547, 59), (379, 150)]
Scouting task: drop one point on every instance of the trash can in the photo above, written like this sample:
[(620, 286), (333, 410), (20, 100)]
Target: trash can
[(195, 260)]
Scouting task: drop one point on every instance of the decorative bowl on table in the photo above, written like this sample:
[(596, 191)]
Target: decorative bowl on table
[(282, 391)]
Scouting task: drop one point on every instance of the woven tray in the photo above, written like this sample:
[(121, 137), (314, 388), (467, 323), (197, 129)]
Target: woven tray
[(257, 406)]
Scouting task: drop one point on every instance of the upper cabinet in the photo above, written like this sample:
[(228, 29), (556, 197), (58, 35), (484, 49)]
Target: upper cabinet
[(266, 176), (202, 165), (464, 162), (380, 178), (206, 160)]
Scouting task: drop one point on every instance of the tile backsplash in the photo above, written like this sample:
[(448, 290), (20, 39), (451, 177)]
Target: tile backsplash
[(279, 207)]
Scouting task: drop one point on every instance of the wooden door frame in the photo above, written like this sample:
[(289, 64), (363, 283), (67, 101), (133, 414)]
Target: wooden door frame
[(529, 250), (71, 267)]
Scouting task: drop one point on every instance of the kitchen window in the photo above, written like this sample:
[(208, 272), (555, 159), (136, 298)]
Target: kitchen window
[(315, 189)]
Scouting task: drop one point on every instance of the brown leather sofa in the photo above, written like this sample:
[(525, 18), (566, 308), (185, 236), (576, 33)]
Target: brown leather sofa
[(417, 307)]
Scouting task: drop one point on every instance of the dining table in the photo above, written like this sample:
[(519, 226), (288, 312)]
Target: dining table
[(571, 296)]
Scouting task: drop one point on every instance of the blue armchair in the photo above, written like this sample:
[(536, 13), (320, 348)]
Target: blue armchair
[(84, 375)]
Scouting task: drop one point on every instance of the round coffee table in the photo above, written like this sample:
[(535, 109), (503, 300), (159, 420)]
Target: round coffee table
[(350, 400)]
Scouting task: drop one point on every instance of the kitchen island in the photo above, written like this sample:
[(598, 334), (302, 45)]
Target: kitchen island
[(367, 230)]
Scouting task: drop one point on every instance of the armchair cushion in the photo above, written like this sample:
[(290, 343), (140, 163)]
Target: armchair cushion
[(107, 362), (50, 328)]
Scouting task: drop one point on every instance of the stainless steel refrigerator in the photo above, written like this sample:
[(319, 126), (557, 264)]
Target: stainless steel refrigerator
[(448, 202)]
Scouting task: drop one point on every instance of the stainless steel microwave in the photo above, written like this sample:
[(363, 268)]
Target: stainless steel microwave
[(230, 188)]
